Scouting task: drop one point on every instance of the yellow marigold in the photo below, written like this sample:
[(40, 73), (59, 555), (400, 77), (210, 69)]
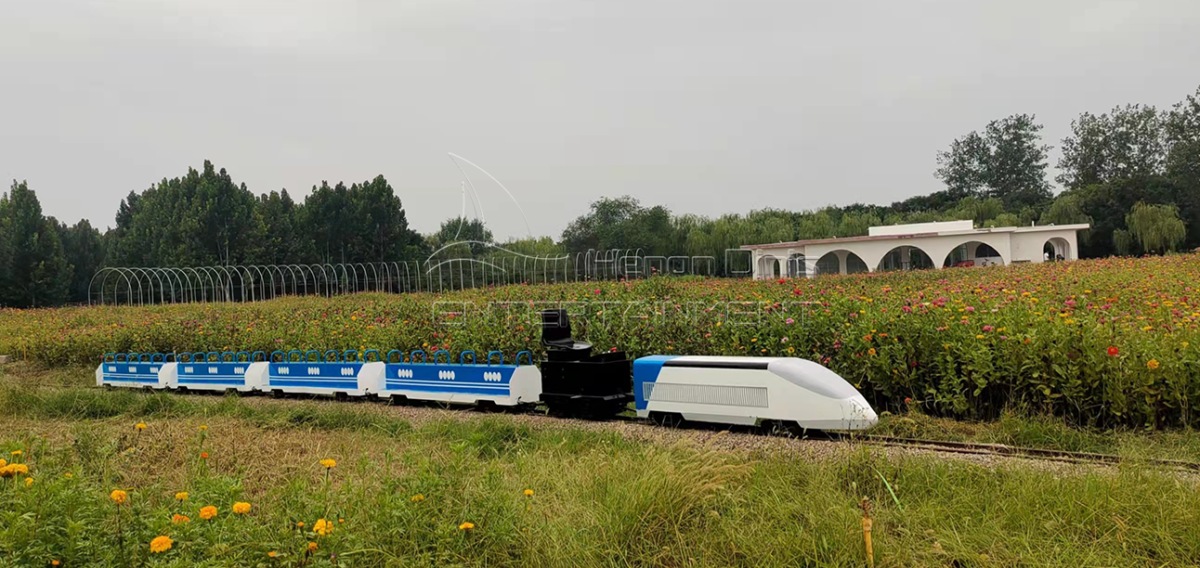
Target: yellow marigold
[(3, 463), (16, 452), (529, 493), (1152, 364), (466, 526), (28, 482), (181, 496), (241, 508), (328, 463), (160, 544), (118, 496), (871, 352), (142, 426), (979, 336), (418, 498), (208, 512), (312, 547), (180, 519), (322, 527)]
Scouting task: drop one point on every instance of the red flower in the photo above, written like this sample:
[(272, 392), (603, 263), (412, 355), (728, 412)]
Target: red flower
[(1113, 351), (203, 455)]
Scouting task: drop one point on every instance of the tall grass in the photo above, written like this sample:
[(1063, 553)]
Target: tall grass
[(598, 499)]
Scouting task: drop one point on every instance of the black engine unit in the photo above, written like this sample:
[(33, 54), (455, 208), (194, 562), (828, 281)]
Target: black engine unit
[(576, 382)]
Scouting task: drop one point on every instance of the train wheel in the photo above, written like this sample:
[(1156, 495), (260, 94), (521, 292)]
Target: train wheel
[(276, 393), (667, 419)]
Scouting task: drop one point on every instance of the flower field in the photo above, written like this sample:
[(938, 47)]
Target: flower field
[(1103, 342)]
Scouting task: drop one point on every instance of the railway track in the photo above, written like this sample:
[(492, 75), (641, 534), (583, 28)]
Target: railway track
[(1043, 454), (973, 448)]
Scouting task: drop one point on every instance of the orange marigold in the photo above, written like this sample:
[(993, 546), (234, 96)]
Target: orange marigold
[(208, 512), (240, 508), (118, 496), (161, 544)]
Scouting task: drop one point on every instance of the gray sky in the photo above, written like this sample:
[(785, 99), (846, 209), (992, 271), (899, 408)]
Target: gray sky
[(704, 106)]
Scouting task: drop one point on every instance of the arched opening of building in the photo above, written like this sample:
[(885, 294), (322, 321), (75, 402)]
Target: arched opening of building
[(905, 258), (796, 266), (1056, 249), (768, 267), (833, 262), (973, 253)]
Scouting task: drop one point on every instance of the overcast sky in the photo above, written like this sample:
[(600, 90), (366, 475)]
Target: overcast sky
[(704, 106)]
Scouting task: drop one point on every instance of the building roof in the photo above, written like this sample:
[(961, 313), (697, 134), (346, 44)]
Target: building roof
[(892, 237)]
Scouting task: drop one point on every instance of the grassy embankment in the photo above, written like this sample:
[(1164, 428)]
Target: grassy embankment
[(598, 499)]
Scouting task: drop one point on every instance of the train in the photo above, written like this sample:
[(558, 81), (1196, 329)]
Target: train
[(572, 380)]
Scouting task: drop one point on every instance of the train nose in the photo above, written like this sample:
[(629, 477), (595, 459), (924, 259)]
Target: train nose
[(859, 413)]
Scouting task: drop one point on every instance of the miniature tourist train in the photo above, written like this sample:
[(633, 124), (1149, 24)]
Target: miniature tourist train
[(572, 381)]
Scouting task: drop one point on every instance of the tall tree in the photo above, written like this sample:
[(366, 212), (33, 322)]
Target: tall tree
[(33, 269), (1182, 127), (202, 218), (1128, 143), (1006, 161), (462, 237), (284, 241), (84, 249), (621, 223), (1157, 228)]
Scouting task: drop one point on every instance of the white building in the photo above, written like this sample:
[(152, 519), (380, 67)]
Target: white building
[(920, 245)]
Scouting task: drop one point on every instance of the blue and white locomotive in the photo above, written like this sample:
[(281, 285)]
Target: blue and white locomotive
[(571, 381)]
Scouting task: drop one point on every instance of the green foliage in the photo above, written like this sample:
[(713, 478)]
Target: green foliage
[(1157, 228), (204, 218), (1128, 144), (1007, 161), (598, 499), (1122, 242), (965, 342), (460, 230), (33, 267), (84, 248)]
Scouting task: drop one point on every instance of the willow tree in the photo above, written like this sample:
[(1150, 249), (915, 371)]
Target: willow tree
[(1157, 228)]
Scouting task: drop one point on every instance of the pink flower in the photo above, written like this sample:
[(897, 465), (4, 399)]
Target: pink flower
[(790, 321), (988, 328)]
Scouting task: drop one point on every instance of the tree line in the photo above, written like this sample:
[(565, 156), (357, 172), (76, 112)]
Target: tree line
[(1132, 173)]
